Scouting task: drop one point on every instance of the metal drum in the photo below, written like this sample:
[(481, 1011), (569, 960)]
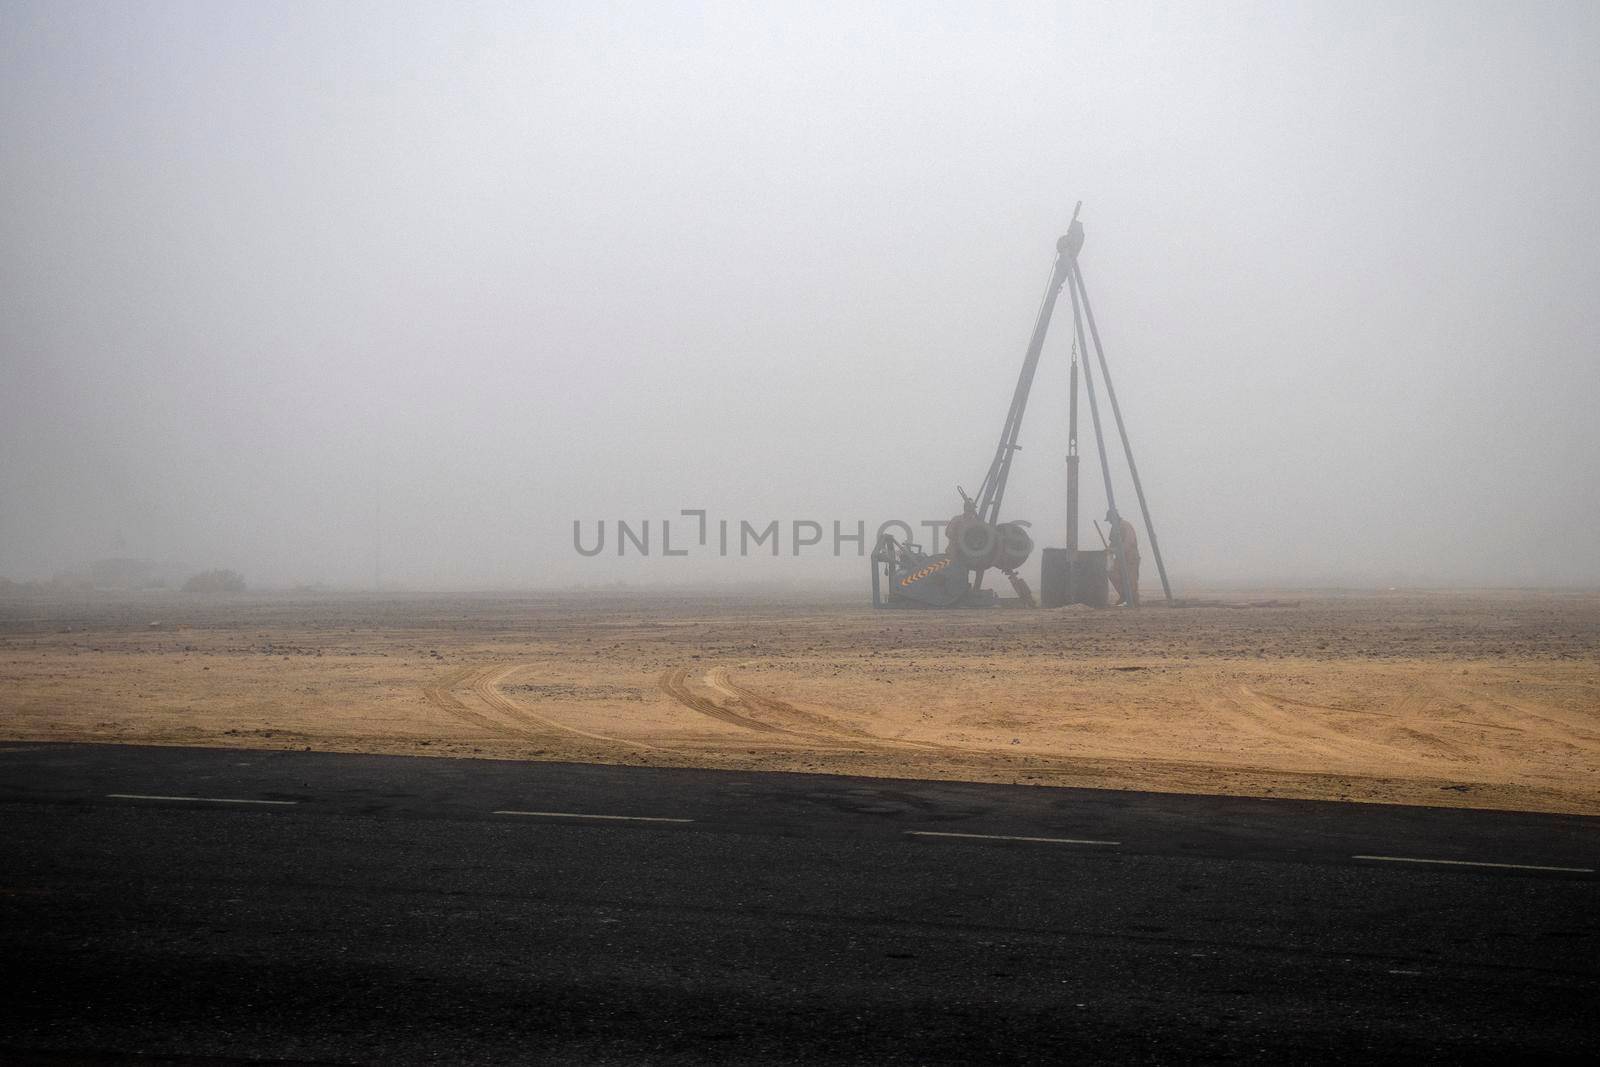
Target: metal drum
[(1013, 547), (971, 541)]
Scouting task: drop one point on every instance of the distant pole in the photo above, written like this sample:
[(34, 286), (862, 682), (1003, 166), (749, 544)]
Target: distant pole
[(1072, 461), (1078, 290), (1112, 515)]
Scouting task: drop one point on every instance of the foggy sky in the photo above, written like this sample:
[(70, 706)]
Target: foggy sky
[(278, 281)]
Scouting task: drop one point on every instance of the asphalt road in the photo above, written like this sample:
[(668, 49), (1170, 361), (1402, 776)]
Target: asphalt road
[(393, 910)]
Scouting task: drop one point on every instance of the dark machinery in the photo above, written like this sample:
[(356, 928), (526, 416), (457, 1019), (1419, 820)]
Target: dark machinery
[(919, 579), (977, 540)]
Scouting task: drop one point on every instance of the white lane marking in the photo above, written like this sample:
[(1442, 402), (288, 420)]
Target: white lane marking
[(1476, 863), (585, 815), (1009, 837), (199, 800)]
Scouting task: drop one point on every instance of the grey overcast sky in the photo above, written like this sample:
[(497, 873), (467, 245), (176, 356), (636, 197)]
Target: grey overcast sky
[(267, 269)]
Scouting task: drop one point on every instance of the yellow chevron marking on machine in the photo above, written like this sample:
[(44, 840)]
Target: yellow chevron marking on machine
[(932, 568)]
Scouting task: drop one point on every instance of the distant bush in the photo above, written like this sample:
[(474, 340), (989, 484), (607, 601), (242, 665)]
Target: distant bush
[(217, 581)]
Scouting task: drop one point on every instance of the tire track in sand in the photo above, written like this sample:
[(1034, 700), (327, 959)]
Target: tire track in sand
[(675, 683), (441, 697), (485, 684), (1552, 723), (829, 729), (1405, 736), (823, 732), (1266, 719)]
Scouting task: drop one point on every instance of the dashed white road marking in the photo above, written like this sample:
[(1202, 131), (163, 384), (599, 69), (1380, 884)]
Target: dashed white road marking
[(587, 815), (1010, 837), (198, 800), (1476, 863)]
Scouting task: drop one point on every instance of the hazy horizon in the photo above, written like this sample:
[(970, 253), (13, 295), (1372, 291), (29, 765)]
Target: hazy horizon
[(336, 294)]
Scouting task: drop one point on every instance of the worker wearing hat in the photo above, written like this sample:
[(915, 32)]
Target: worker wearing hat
[(1124, 545)]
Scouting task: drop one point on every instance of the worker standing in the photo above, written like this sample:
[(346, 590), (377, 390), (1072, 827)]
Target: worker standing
[(1124, 553)]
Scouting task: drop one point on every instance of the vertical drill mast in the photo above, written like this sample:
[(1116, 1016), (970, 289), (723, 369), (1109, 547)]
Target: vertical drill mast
[(1072, 478), (994, 483)]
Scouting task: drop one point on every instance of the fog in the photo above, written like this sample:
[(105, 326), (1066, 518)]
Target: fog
[(388, 293)]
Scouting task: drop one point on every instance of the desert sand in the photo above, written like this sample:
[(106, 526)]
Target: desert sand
[(1480, 699)]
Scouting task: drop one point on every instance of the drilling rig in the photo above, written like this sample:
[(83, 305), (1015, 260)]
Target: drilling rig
[(904, 575)]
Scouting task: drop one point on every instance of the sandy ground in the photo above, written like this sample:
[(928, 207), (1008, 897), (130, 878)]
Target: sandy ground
[(1470, 699)]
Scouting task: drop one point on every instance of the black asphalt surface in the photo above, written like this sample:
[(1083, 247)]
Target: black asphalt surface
[(390, 914)]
